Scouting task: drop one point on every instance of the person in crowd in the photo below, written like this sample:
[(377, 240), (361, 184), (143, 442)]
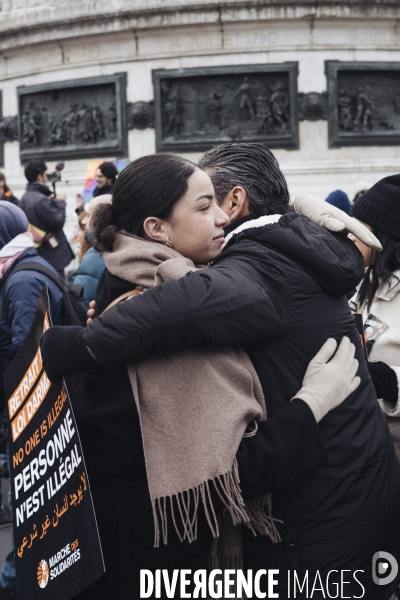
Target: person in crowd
[(340, 200), (47, 213), (278, 289), (5, 192), (82, 246), (194, 408), (106, 176), (378, 297), (92, 264), (82, 243), (19, 294)]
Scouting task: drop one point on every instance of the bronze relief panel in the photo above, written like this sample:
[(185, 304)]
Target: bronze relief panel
[(364, 103), (196, 109), (73, 119)]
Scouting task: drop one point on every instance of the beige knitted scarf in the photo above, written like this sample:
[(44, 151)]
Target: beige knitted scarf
[(194, 409)]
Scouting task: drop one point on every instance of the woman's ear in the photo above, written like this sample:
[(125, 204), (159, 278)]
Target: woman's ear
[(154, 229)]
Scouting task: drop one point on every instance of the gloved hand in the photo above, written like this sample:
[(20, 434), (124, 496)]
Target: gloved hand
[(328, 384), (385, 382), (64, 352), (333, 219)]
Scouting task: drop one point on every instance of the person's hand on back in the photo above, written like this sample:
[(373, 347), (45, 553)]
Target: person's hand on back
[(329, 381)]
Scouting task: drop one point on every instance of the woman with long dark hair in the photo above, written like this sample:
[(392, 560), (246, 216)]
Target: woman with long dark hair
[(379, 298)]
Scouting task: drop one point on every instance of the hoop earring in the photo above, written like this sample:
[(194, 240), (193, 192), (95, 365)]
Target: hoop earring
[(167, 243)]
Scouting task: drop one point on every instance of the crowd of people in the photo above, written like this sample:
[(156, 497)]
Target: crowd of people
[(228, 402)]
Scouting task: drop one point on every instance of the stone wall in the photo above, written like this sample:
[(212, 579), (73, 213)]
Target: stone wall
[(48, 41)]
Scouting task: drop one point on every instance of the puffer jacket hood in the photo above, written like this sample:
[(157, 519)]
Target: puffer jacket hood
[(12, 222), (330, 258)]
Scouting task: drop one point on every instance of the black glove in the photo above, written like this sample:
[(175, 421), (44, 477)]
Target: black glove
[(64, 352), (385, 382)]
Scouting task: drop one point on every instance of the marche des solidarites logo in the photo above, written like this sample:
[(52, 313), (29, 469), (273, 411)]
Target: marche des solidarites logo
[(43, 573)]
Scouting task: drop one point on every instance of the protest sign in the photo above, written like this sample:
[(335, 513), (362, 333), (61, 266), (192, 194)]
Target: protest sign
[(57, 546), (373, 329)]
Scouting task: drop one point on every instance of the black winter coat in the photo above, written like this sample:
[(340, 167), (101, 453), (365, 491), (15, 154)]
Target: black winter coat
[(47, 214), (100, 191), (109, 427), (278, 290), (9, 197)]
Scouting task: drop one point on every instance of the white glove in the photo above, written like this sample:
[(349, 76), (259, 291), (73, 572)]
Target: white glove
[(333, 218), (328, 384)]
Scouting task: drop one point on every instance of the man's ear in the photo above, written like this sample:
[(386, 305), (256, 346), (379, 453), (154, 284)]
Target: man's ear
[(154, 229), (236, 204)]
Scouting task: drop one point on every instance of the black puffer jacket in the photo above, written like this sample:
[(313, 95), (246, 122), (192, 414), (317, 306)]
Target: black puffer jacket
[(109, 427), (278, 290), (47, 214)]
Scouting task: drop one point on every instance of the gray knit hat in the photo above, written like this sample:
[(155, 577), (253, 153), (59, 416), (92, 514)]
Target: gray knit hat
[(13, 221), (379, 207)]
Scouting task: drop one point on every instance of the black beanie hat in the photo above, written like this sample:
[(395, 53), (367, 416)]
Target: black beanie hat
[(379, 206)]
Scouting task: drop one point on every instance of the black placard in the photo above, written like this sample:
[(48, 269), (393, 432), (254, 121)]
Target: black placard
[(57, 546)]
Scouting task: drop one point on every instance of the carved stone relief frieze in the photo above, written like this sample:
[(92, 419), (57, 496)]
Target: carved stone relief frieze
[(196, 109), (364, 103), (73, 119)]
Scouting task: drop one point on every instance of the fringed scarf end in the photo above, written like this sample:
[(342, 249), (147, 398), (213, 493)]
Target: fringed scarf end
[(260, 518), (182, 509)]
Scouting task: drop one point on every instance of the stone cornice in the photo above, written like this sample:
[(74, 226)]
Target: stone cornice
[(86, 18)]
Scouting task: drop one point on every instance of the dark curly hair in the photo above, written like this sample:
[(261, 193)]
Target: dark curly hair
[(109, 170)]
